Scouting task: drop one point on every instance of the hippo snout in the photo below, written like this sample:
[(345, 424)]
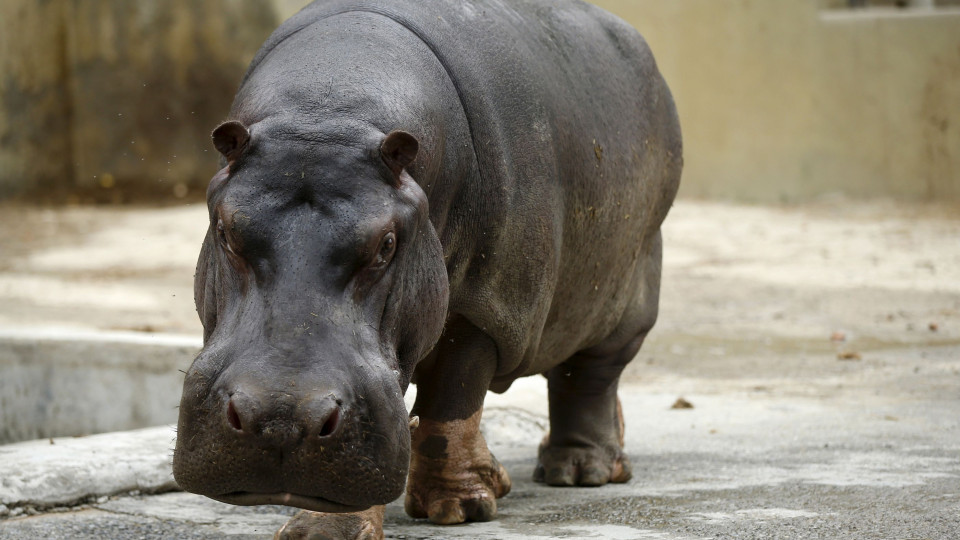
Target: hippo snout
[(306, 439), (283, 421)]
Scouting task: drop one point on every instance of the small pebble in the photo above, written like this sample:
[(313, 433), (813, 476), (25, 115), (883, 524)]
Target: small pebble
[(681, 403)]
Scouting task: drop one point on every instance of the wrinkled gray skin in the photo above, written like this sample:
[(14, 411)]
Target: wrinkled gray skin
[(454, 193)]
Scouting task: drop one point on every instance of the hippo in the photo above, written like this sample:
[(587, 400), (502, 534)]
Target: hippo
[(449, 193)]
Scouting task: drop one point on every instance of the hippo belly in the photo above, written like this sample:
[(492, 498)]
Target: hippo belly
[(445, 192)]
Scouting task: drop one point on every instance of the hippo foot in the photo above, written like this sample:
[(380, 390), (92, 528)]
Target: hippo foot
[(366, 525), (581, 466), (453, 476)]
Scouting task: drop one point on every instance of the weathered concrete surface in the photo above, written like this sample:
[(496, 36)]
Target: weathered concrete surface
[(35, 140), (785, 439), (111, 99), (69, 471), (84, 296), (95, 268), (746, 465), (56, 382)]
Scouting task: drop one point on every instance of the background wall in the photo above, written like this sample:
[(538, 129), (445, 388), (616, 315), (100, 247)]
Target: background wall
[(113, 99), (788, 100), (782, 100)]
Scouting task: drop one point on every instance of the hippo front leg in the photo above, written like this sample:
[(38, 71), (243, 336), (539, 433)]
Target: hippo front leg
[(453, 476), (306, 525)]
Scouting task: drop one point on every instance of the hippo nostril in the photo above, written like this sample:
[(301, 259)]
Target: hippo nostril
[(233, 418), (330, 425)]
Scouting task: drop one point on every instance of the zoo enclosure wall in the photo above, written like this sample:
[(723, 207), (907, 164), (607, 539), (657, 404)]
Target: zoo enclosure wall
[(780, 101)]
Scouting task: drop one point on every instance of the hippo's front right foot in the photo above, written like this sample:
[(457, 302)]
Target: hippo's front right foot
[(453, 476), (306, 525)]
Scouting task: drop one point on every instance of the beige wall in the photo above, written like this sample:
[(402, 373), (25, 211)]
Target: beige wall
[(782, 101)]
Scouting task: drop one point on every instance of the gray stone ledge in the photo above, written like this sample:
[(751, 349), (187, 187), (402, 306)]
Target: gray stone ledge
[(60, 382)]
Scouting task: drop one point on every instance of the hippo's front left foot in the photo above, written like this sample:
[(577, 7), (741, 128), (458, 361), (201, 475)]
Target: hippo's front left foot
[(306, 525), (453, 476)]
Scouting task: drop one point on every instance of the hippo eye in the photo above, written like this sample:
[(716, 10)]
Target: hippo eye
[(388, 245), (222, 236)]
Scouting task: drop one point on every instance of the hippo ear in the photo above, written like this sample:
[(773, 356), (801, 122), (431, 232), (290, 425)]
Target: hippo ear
[(398, 150), (231, 138)]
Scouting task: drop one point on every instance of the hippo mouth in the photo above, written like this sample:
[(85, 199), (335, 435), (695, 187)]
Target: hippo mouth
[(315, 504)]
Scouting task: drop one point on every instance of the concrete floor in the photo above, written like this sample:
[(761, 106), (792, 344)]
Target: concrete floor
[(819, 346)]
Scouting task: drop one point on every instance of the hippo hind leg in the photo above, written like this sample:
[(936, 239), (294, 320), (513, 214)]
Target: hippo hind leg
[(585, 444)]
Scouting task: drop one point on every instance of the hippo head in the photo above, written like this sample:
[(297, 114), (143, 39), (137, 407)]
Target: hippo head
[(320, 285)]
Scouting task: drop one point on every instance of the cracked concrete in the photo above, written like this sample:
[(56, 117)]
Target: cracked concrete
[(784, 440)]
